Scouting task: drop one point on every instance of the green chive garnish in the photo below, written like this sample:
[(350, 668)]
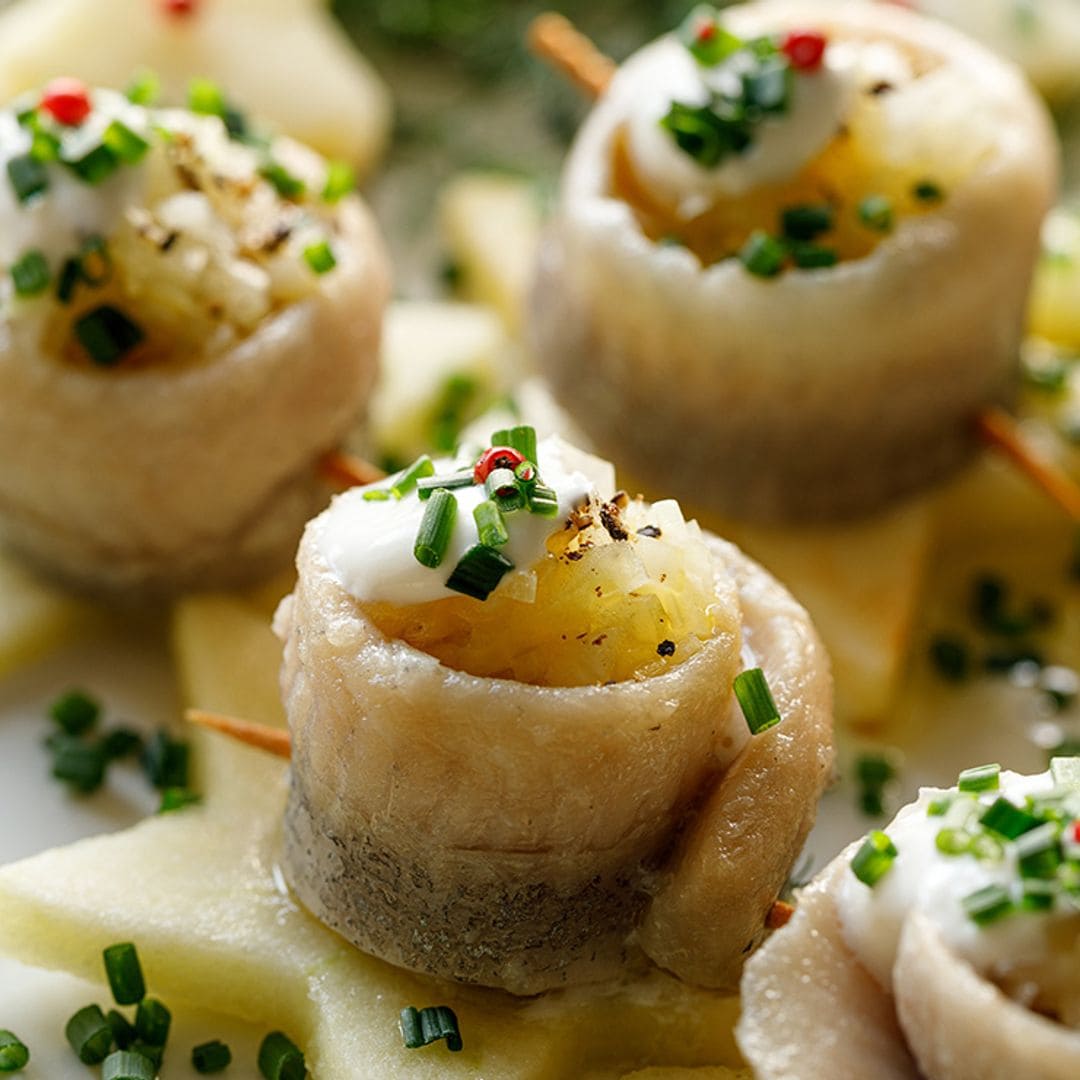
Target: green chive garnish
[(706, 136), (283, 181), (762, 254), (124, 1034), (127, 145), (96, 165), (479, 571), (988, 904), (205, 97), (953, 841), (128, 1065), (152, 1022), (521, 438), (927, 191), (89, 1035), (45, 147), (874, 772), (502, 487), (280, 1058), (813, 256), (166, 761), (980, 778), (408, 478), (874, 859), (124, 973), (120, 742), (708, 42), (756, 701), (876, 212), (30, 275), (436, 528), (807, 221), (490, 526), (210, 1057), (543, 500), (939, 807), (79, 764), (1038, 851), (75, 712), (451, 481), (28, 177), (1038, 895), (420, 1027), (143, 88), (1007, 820), (177, 798), (107, 335), (377, 495), (340, 181), (319, 257), (14, 1053)]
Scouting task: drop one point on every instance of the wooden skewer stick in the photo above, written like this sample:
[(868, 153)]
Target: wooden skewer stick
[(261, 736), (348, 470)]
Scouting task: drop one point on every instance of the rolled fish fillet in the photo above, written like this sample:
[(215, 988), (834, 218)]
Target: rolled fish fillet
[(945, 948), (791, 255), (188, 319), (554, 784)]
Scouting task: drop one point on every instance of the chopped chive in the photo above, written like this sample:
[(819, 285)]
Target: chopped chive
[(874, 772), (874, 859), (1038, 895), (152, 1022), (756, 701), (762, 254), (166, 761), (525, 473), (340, 181), (1038, 851), (953, 841), (143, 88), (123, 1032), (128, 146), (436, 528), (320, 257), (950, 657), (708, 42), (107, 335), (813, 256), (704, 135), (420, 1027), (153, 1054), (927, 191), (124, 972), (89, 1035), (407, 479), (980, 778), (479, 571), (521, 438), (30, 275), (120, 742), (987, 905), (1007, 819), (78, 764), (280, 1058), (490, 526), (210, 1057), (938, 807), (451, 481), (543, 500), (96, 165), (205, 97), (376, 495), (807, 221), (177, 798), (14, 1053), (75, 712), (28, 177), (502, 486), (283, 181), (45, 147), (128, 1065), (68, 280), (987, 848), (876, 212)]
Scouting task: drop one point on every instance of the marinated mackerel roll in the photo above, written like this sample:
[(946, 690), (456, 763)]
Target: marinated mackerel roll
[(759, 291), (517, 756), (945, 948), (189, 317)]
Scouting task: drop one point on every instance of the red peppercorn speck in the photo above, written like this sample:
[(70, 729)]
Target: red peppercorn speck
[(67, 100), (498, 457), (805, 49)]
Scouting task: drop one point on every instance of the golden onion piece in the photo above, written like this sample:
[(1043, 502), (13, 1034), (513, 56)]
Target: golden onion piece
[(783, 387)]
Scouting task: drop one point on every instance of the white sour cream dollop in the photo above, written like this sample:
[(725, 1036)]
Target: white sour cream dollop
[(369, 545)]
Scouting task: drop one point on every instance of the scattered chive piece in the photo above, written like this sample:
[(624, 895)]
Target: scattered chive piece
[(283, 181), (205, 97), (436, 528), (1007, 819), (340, 181), (938, 807), (874, 859), (756, 700), (1038, 853), (152, 1022), (420, 1027), (153, 1054), (143, 88), (210, 1057), (1038, 895), (123, 1032), (68, 280), (128, 146), (280, 1058), (490, 526), (165, 761), (177, 798), (951, 658), (874, 772), (525, 473), (128, 1065), (876, 212), (30, 275), (543, 500), (807, 221), (762, 254), (75, 712), (45, 147), (120, 742), (988, 904), (427, 484), (28, 177), (708, 42), (953, 841), (521, 438), (96, 165), (14, 1053), (813, 256), (376, 495), (704, 135), (89, 1035), (479, 571), (406, 481), (980, 778), (501, 485), (927, 191), (124, 973), (319, 257), (107, 335), (986, 848), (451, 409), (82, 765)]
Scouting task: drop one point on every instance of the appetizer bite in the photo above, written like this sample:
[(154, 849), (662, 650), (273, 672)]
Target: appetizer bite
[(189, 317), (758, 291), (945, 947), (519, 756)]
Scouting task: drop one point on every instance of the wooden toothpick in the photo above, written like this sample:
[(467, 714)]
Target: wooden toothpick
[(261, 736), (348, 470)]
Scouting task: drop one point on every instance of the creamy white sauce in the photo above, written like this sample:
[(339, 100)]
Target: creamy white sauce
[(923, 879), (369, 545)]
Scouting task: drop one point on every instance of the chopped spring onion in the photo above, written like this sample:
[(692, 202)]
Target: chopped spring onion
[(768, 89), (28, 177), (876, 212), (704, 135), (143, 89), (406, 480), (501, 485), (280, 1058), (980, 778), (320, 257), (177, 798), (340, 181), (521, 438), (152, 1022), (479, 571), (874, 772), (120, 742), (206, 98), (450, 481), (939, 807), (128, 146), (89, 1035), (14, 1053), (953, 841), (124, 1034), (128, 1065), (107, 335), (377, 495), (80, 764), (490, 526), (420, 1027), (756, 701), (30, 275), (436, 528), (543, 500), (166, 760), (709, 43), (874, 858), (927, 191), (762, 254), (124, 972), (66, 283), (75, 712), (1038, 895), (283, 181), (210, 1057), (807, 221), (96, 165), (988, 904), (1007, 819), (1038, 851), (813, 256)]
